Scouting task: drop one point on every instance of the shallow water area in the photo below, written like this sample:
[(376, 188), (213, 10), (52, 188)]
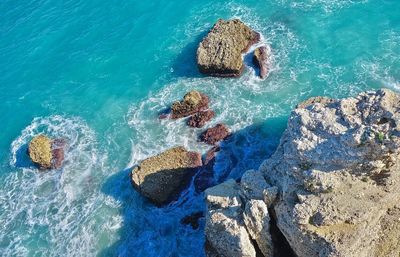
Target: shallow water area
[(99, 73)]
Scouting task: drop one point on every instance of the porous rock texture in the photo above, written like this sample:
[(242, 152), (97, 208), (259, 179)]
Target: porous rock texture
[(162, 177), (215, 134), (46, 153), (220, 52), (198, 120), (260, 59), (237, 218), (193, 102), (332, 184), (338, 173)]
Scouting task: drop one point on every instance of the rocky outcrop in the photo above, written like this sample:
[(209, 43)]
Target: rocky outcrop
[(220, 52), (162, 177), (226, 234), (332, 184), (200, 119), (46, 153), (215, 134), (238, 213), (193, 102), (338, 172), (260, 59)]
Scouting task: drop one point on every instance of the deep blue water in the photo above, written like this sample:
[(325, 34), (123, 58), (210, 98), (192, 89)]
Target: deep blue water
[(98, 72)]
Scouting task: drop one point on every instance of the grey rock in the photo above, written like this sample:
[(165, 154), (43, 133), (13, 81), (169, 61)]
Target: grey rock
[(226, 234), (337, 170), (257, 221), (253, 184)]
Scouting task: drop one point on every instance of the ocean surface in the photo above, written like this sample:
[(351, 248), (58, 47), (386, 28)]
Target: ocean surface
[(98, 73)]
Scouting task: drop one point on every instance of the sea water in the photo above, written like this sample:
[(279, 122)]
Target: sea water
[(97, 73)]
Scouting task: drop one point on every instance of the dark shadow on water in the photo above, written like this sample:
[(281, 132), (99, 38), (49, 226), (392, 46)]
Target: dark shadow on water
[(22, 158), (185, 65), (165, 231)]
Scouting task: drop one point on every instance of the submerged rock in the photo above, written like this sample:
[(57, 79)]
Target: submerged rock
[(260, 59), (220, 52), (337, 170), (162, 177), (58, 146), (193, 219), (215, 134), (205, 178), (46, 153), (193, 102), (199, 119)]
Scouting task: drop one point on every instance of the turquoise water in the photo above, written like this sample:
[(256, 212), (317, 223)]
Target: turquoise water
[(98, 72)]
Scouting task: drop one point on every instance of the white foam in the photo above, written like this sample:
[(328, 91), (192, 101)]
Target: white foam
[(55, 207), (327, 6)]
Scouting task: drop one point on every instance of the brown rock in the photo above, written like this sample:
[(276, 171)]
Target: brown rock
[(192, 102), (213, 135), (58, 146), (220, 52), (260, 59), (199, 119), (162, 177), (46, 153)]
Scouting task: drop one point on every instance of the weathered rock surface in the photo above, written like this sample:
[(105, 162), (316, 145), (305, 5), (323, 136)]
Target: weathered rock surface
[(332, 185), (193, 102), (260, 59), (337, 169), (226, 234), (161, 178), (200, 119), (256, 218), (46, 153), (58, 146), (220, 52), (215, 134)]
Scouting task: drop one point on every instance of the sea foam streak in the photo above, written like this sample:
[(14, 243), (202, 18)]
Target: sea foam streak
[(53, 208)]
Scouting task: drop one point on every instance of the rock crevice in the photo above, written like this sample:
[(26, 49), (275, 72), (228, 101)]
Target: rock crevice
[(331, 187)]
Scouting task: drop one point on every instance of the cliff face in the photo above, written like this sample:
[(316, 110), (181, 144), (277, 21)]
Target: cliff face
[(333, 181)]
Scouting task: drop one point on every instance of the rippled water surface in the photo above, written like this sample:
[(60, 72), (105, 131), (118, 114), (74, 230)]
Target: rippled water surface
[(98, 72)]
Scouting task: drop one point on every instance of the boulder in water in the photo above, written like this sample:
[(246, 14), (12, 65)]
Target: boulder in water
[(193, 102), (199, 119), (46, 153), (220, 52), (215, 134), (162, 177), (260, 59)]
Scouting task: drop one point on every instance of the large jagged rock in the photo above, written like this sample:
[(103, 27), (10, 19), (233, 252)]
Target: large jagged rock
[(220, 52), (260, 59), (257, 220), (226, 234), (337, 169), (46, 153), (161, 178), (193, 102)]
